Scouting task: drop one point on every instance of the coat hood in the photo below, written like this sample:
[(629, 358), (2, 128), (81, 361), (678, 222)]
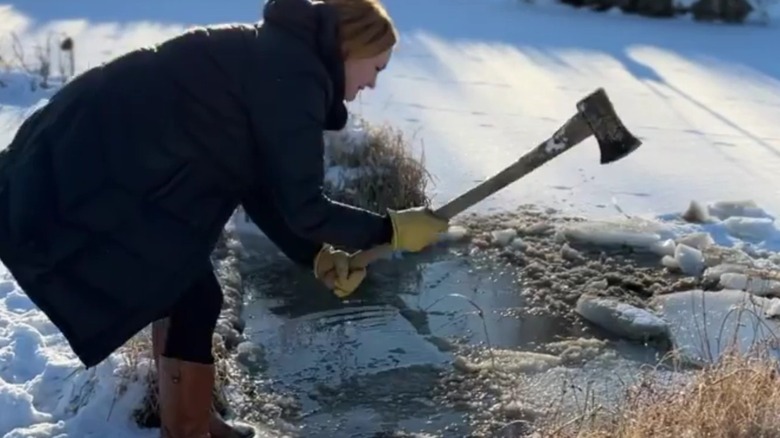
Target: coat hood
[(315, 23)]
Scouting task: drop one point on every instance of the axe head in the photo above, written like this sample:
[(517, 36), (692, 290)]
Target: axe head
[(615, 141)]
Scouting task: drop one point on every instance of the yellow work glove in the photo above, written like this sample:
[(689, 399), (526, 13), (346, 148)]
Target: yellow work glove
[(331, 266), (415, 228)]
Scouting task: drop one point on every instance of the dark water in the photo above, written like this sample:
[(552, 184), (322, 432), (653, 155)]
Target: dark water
[(374, 364)]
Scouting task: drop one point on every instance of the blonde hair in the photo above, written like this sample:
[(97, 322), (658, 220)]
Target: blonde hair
[(365, 27)]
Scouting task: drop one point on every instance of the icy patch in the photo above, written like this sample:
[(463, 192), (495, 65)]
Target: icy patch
[(622, 319), (704, 324)]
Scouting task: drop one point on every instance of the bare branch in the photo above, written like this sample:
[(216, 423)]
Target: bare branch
[(18, 49)]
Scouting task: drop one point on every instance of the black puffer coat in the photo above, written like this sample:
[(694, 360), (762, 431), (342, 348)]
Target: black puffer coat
[(113, 195)]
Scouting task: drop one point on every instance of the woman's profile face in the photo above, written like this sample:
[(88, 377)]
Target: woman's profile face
[(361, 73)]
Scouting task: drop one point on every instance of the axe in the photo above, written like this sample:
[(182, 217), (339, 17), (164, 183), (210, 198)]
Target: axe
[(595, 116)]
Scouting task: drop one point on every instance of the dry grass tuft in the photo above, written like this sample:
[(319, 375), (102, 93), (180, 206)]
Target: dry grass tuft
[(739, 396), (374, 169), (732, 394)]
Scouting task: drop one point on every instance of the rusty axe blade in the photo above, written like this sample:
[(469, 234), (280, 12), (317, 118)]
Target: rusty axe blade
[(595, 116)]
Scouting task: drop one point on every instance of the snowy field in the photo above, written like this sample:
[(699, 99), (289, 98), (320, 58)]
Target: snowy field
[(478, 83)]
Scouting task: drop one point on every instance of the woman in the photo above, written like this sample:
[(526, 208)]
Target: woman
[(113, 195)]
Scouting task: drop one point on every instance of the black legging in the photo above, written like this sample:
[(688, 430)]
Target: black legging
[(192, 322)]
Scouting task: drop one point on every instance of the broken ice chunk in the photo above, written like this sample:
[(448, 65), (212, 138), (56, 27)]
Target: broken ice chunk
[(620, 318), (698, 240), (503, 237), (690, 259)]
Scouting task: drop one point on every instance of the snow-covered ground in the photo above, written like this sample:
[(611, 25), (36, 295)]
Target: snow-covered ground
[(479, 83)]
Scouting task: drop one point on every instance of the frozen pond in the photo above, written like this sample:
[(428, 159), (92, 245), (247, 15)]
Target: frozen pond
[(385, 360)]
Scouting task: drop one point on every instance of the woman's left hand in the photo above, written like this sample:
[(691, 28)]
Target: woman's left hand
[(332, 267)]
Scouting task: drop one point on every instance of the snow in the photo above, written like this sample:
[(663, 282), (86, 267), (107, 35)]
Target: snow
[(481, 88), (348, 141), (44, 390)]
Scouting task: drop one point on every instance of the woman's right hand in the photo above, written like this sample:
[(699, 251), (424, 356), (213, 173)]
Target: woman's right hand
[(333, 268), (415, 228)]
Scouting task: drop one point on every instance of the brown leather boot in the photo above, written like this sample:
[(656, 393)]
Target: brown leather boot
[(185, 390), (217, 426)]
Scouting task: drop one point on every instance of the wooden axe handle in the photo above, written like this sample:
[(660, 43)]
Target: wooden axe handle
[(573, 132)]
